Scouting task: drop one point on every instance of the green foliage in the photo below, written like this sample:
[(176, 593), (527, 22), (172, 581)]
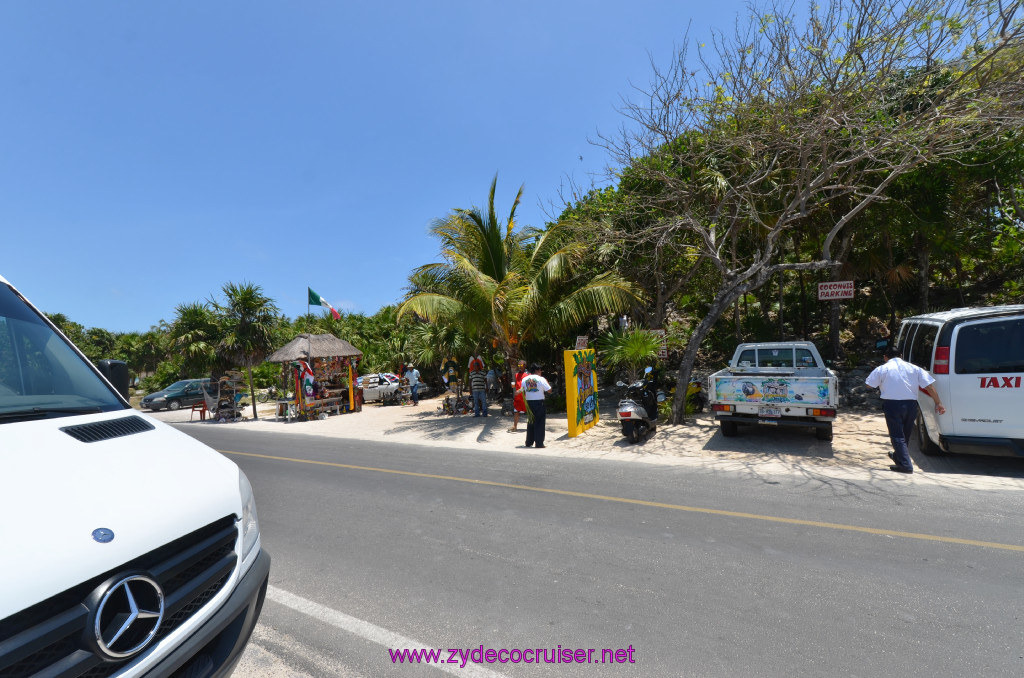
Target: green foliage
[(506, 287), (246, 321), (631, 350)]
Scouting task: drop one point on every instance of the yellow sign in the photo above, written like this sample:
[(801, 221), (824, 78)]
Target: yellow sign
[(581, 390)]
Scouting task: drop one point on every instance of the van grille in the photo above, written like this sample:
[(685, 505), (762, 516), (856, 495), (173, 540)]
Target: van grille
[(49, 636), (105, 430)]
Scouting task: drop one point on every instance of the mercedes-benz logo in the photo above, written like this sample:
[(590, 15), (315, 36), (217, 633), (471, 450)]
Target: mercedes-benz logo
[(103, 535), (128, 616)]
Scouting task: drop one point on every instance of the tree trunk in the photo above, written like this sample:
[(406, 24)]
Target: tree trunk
[(736, 318), (923, 269), (252, 393), (721, 303), (803, 306), (833, 332), (782, 325), (845, 243)]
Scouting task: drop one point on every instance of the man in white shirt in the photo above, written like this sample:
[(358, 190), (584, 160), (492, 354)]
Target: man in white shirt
[(898, 382), (413, 375), (533, 389)]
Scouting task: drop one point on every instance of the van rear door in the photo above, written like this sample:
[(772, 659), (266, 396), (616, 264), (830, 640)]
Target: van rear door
[(986, 378)]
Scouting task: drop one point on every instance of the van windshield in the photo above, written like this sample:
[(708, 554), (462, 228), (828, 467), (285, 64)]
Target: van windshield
[(40, 374)]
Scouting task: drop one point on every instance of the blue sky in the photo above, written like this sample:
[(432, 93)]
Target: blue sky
[(153, 151)]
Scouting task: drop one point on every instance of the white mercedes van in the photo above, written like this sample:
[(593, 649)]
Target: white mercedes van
[(977, 358), (126, 547)]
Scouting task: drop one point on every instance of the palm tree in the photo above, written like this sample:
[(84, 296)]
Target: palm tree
[(248, 320), (505, 286), (194, 333), (432, 343), (629, 349)]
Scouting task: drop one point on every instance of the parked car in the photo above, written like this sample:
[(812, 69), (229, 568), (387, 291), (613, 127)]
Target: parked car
[(375, 386), (977, 358), (130, 549), (184, 393), (783, 383)]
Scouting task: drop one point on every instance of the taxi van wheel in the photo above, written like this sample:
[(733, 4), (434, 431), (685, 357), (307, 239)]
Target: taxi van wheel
[(174, 405), (928, 448), (823, 433), (729, 428)]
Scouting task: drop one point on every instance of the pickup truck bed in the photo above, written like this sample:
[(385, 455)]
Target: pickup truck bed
[(775, 384)]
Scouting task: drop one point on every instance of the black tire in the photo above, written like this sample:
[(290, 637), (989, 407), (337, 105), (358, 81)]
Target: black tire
[(263, 396), (627, 428), (634, 435), (729, 428), (823, 433), (928, 448), (174, 405)]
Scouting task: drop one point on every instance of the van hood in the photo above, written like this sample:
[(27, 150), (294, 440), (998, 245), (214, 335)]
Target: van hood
[(149, 488)]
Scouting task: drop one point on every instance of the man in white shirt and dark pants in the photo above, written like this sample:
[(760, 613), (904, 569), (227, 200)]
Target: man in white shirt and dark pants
[(533, 388), (898, 382), (413, 375)]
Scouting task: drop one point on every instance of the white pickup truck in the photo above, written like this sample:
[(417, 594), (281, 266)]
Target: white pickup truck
[(782, 383)]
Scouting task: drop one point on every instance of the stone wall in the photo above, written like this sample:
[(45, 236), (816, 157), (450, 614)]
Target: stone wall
[(854, 394)]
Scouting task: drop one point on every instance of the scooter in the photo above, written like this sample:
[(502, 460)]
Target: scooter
[(638, 411), (696, 398)]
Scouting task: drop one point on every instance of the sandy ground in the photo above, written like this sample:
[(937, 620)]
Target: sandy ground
[(859, 447)]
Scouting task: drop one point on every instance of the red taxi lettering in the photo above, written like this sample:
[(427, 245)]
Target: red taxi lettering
[(993, 382)]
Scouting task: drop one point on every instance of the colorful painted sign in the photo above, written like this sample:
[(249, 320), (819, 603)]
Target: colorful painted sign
[(750, 389), (581, 390)]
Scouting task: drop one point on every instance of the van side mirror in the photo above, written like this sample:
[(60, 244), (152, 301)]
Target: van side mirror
[(116, 372)]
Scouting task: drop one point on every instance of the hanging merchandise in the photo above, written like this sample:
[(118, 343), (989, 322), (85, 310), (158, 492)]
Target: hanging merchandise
[(306, 378)]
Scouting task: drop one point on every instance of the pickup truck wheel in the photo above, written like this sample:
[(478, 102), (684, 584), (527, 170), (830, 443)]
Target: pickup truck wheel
[(823, 433), (729, 428), (174, 405), (928, 448)]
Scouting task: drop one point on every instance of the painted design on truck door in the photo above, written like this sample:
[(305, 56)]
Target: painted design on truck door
[(750, 389)]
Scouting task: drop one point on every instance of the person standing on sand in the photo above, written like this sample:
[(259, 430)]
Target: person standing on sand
[(534, 387), (518, 403), (478, 385)]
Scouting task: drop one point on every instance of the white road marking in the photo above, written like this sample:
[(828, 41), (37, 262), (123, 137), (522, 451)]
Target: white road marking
[(371, 632)]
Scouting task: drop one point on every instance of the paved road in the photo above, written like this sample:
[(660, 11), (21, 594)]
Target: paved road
[(702, 572)]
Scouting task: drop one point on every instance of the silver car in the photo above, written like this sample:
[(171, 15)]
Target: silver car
[(376, 386)]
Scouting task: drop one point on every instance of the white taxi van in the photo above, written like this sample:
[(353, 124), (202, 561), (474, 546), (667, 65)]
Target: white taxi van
[(128, 548), (977, 358)]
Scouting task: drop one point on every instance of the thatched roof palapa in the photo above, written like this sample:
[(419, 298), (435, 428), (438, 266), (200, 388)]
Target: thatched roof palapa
[(304, 347)]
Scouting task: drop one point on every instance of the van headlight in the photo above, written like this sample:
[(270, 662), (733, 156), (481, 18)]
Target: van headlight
[(250, 522)]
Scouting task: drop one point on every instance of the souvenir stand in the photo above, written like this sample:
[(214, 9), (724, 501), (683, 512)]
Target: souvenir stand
[(320, 369), (223, 396)]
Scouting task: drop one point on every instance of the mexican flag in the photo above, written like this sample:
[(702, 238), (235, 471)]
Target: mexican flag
[(306, 378), (316, 300)]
